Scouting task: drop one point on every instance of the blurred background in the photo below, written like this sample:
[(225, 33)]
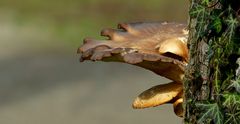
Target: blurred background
[(41, 79)]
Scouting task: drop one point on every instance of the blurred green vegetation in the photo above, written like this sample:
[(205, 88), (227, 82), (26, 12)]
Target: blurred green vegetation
[(70, 21)]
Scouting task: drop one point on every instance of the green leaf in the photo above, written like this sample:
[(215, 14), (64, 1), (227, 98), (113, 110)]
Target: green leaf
[(233, 115), (227, 81), (217, 25), (232, 25), (231, 99), (197, 11), (200, 13), (235, 84), (211, 111), (205, 2)]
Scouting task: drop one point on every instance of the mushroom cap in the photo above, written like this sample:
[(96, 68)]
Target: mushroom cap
[(174, 46), (142, 44), (158, 95), (178, 108)]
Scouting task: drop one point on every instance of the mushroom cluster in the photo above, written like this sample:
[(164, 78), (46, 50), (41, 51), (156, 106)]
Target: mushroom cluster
[(160, 47)]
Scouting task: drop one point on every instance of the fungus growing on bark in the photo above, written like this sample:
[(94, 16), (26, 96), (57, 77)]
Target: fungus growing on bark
[(158, 95), (158, 47)]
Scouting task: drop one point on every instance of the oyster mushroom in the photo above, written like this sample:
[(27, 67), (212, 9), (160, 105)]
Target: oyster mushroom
[(158, 47), (158, 95)]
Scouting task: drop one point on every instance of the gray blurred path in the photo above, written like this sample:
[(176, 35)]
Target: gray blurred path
[(56, 89)]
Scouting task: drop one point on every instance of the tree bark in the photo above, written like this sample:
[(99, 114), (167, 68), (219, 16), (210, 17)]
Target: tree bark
[(212, 82)]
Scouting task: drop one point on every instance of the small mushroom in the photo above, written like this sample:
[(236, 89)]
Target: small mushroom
[(178, 108), (158, 95)]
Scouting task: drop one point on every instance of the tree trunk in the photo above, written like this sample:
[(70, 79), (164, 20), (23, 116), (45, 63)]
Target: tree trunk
[(212, 81)]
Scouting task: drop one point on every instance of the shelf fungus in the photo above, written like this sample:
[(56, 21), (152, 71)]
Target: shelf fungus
[(158, 47)]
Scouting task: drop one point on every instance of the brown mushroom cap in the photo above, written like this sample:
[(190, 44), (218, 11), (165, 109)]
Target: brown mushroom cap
[(175, 46), (178, 108), (158, 95), (136, 43)]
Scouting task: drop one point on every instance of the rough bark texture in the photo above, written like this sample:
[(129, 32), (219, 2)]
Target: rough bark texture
[(212, 83)]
